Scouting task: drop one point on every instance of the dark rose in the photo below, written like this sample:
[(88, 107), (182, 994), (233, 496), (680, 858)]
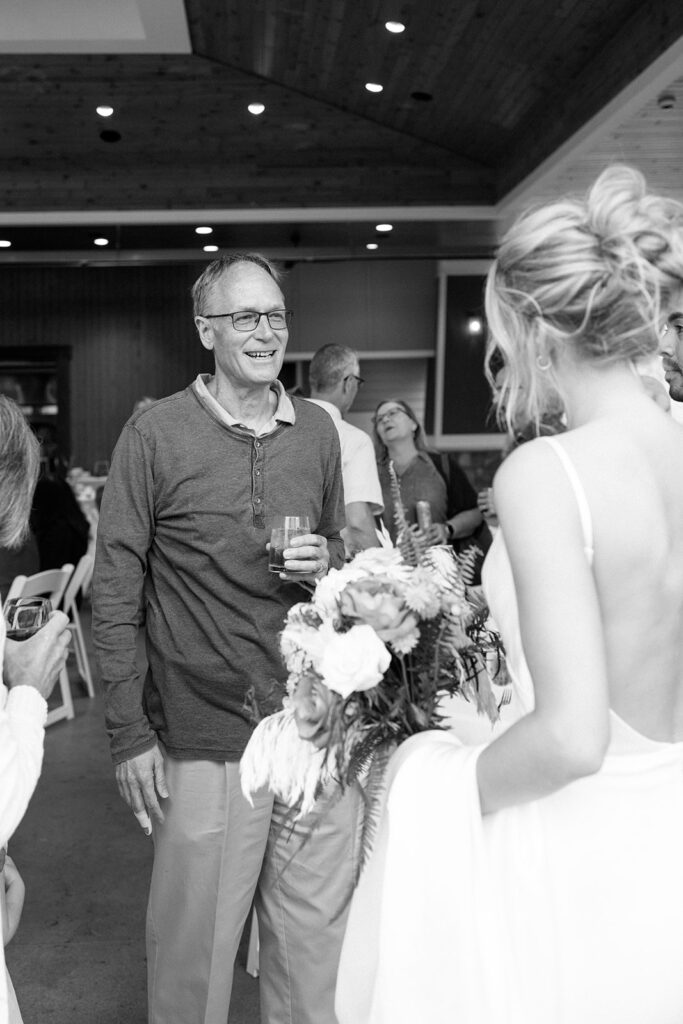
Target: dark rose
[(314, 706)]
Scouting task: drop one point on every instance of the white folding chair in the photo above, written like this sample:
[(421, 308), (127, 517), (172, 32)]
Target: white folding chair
[(80, 580), (49, 583)]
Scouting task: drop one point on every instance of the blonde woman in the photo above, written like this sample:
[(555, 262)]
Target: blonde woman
[(554, 893)]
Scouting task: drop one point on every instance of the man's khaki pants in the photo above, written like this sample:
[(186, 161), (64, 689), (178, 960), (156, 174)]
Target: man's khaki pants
[(207, 858)]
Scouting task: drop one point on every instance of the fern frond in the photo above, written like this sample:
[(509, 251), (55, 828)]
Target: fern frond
[(373, 803)]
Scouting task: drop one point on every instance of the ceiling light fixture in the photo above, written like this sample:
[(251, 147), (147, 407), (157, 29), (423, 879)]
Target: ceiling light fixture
[(105, 111), (372, 245), (210, 248), (204, 230), (475, 324), (101, 241), (384, 227), (256, 108), (374, 87), (394, 26), (666, 101), (5, 243)]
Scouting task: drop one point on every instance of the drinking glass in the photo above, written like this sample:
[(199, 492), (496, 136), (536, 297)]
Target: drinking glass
[(24, 616), (284, 528)]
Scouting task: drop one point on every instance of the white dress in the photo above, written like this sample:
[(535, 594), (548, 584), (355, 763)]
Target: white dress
[(565, 910)]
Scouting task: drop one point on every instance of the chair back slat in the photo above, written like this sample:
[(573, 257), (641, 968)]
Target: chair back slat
[(49, 583), (79, 580)]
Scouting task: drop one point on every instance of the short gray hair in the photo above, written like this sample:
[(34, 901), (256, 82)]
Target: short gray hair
[(19, 465), (329, 365), (217, 268)]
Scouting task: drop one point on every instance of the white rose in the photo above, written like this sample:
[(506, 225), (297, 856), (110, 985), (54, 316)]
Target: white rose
[(352, 661), (304, 645), (327, 592)]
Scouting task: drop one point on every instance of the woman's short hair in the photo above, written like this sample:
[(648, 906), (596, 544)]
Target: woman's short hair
[(19, 465), (591, 276), (419, 435), (217, 268)]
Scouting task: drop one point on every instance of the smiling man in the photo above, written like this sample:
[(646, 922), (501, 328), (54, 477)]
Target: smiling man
[(195, 483)]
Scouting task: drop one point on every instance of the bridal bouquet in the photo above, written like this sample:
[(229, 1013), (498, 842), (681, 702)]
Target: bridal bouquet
[(371, 659)]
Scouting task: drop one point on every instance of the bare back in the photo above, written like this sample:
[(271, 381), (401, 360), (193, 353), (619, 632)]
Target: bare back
[(632, 471)]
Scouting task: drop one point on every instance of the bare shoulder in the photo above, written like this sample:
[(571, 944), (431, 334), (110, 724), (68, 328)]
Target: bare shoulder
[(524, 474)]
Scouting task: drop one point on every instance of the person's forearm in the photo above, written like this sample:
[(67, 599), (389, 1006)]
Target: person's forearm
[(529, 761), (360, 527), (465, 523)]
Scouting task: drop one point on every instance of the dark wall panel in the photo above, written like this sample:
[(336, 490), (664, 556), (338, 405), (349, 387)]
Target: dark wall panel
[(467, 396)]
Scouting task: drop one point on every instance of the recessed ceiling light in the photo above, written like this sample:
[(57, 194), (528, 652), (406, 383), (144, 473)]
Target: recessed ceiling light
[(475, 324), (384, 227), (372, 245), (105, 111), (394, 26), (256, 108), (374, 87), (5, 243), (101, 241), (210, 248), (204, 231)]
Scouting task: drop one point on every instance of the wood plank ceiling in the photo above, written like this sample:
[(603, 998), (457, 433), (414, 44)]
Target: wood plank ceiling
[(477, 94)]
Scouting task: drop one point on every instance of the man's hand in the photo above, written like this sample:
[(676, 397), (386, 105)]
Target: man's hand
[(38, 661), (140, 779), (306, 558)]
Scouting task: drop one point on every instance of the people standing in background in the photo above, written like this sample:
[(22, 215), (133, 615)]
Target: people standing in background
[(424, 475), (194, 485), (57, 521), (143, 403), (335, 381)]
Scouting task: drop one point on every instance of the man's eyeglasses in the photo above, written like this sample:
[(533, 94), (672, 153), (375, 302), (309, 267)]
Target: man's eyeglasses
[(388, 414), (248, 320), (360, 381)]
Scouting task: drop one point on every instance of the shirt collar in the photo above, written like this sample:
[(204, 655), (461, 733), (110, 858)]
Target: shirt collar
[(329, 408), (284, 412)]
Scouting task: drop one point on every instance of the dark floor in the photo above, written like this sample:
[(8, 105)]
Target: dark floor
[(79, 954)]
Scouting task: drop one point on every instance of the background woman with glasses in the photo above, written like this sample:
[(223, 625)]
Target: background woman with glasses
[(424, 475)]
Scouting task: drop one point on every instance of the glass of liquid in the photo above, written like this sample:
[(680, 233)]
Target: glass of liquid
[(284, 528), (24, 616)]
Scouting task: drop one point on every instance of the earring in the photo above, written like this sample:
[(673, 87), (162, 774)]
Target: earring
[(543, 364)]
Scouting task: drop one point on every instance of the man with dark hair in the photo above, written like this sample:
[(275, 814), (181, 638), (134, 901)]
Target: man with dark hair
[(672, 355), (194, 485), (334, 377)]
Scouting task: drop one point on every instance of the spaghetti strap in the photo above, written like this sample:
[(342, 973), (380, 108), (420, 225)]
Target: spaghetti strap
[(579, 493)]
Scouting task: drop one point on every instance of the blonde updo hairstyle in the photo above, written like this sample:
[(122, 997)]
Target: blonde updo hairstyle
[(588, 278)]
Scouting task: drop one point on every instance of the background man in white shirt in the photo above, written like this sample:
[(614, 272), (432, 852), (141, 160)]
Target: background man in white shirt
[(335, 380)]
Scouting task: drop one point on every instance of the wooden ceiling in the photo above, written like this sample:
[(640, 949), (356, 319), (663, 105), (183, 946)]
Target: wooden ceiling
[(484, 103)]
